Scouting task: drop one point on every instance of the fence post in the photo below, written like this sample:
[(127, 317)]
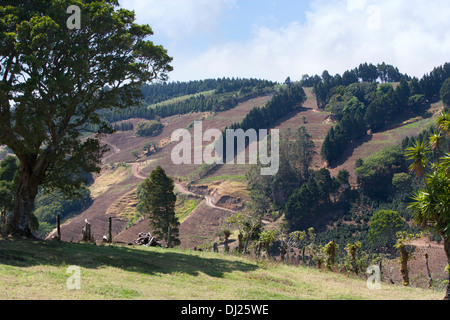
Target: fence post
[(58, 227), (110, 230)]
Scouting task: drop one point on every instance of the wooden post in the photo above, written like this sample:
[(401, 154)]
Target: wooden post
[(110, 230), (430, 279), (58, 227)]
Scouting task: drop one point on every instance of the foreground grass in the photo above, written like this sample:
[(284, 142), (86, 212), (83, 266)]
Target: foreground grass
[(39, 270)]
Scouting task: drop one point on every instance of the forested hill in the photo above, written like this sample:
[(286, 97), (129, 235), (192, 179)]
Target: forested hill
[(359, 104), (158, 92), (161, 100)]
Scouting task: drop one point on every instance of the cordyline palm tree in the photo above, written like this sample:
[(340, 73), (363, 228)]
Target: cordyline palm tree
[(431, 205), (436, 143), (443, 122), (418, 153)]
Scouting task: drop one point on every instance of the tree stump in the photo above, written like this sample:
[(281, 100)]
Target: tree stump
[(86, 232)]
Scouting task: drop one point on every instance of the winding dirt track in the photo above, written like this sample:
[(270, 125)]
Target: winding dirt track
[(208, 199)]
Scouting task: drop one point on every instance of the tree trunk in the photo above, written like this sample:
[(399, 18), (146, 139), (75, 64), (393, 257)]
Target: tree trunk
[(447, 252), (404, 266), (168, 237), (240, 244), (27, 189), (247, 241), (283, 252), (225, 241)]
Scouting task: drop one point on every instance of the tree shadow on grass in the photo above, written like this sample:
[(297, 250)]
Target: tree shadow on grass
[(26, 253)]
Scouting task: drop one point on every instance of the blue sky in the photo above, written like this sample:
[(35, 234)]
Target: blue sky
[(273, 39)]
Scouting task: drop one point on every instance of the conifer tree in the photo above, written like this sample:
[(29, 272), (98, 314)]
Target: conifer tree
[(159, 206)]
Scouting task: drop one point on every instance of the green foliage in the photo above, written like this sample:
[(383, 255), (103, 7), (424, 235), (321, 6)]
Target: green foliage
[(296, 152), (67, 78), (445, 93), (376, 172), (402, 184), (198, 100), (305, 203), (330, 252), (431, 205), (124, 126), (148, 128), (135, 153), (49, 205), (352, 251), (279, 106), (384, 226), (380, 104), (157, 201)]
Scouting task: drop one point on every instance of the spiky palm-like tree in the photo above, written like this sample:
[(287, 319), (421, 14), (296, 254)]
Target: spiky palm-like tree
[(418, 153), (431, 205), (436, 144)]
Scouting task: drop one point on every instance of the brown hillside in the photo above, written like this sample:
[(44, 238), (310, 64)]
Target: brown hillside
[(112, 200), (111, 194)]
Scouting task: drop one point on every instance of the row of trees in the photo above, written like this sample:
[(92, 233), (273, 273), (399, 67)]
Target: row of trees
[(369, 73), (279, 106), (158, 92), (197, 103), (123, 126)]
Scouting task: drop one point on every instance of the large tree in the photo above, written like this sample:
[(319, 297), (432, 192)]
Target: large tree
[(158, 204), (55, 80)]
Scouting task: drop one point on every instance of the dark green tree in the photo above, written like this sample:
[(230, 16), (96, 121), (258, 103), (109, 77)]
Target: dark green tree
[(445, 93), (8, 179), (53, 82), (384, 225), (158, 204)]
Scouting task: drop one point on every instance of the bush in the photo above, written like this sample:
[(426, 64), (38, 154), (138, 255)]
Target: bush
[(148, 128)]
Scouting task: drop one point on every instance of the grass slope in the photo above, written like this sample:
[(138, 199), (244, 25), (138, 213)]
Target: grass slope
[(39, 270)]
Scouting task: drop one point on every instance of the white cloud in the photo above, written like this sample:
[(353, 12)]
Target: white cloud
[(413, 35), (176, 18)]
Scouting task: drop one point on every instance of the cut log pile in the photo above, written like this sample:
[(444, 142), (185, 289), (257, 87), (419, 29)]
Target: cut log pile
[(146, 239)]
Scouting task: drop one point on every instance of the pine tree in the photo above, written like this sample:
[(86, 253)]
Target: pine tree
[(159, 206)]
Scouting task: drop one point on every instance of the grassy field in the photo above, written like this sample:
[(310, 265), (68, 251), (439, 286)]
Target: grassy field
[(42, 270)]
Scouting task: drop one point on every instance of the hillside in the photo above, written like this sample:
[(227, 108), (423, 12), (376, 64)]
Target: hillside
[(118, 181), (207, 199), (123, 172), (39, 270)]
